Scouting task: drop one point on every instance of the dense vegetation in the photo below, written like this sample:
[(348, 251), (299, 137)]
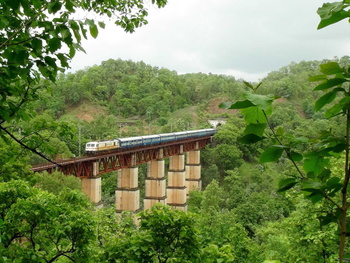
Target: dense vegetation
[(240, 216)]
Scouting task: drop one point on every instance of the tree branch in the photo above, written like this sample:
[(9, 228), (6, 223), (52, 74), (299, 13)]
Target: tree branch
[(2, 45), (332, 201), (27, 147), (280, 142)]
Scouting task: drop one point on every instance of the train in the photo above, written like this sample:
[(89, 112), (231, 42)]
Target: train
[(131, 142)]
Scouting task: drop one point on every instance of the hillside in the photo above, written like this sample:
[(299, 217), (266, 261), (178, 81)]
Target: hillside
[(149, 96), (239, 213)]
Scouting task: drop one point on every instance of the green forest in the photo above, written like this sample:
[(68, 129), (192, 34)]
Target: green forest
[(275, 179)]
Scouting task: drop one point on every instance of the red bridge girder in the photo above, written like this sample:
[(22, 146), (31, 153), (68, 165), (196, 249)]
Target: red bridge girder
[(83, 167)]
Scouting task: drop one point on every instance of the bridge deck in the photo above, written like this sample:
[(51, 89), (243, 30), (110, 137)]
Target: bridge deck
[(82, 166)]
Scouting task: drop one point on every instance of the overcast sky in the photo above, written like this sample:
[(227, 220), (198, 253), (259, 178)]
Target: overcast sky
[(245, 39)]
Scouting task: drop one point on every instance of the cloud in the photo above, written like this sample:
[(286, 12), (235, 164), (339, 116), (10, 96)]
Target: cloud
[(238, 37)]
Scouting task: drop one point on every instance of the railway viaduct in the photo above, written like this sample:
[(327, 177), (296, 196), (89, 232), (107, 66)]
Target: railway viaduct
[(184, 173)]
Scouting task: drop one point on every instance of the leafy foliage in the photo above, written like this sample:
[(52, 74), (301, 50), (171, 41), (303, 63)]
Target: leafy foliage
[(165, 235), (37, 41), (33, 34), (38, 226), (311, 165), (331, 13)]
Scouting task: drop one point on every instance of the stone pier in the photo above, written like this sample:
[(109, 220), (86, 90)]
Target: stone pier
[(193, 171), (91, 186), (182, 177), (155, 184), (128, 192), (176, 190)]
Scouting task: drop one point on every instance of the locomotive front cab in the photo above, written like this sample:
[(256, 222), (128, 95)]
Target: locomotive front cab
[(91, 147)]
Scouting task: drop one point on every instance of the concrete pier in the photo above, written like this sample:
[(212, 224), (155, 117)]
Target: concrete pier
[(91, 186), (176, 190), (128, 192), (193, 171), (155, 184)]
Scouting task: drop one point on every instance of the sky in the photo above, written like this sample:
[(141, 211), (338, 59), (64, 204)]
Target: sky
[(240, 38)]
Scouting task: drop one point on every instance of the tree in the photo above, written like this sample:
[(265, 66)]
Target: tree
[(13, 163), (57, 182), (165, 235), (34, 36), (299, 237), (311, 158), (37, 226)]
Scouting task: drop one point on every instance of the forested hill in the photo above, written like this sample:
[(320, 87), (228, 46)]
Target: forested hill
[(129, 89), (124, 98), (239, 216)]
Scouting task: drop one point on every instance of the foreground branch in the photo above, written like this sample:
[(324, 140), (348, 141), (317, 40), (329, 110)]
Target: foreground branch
[(280, 142), (27, 147)]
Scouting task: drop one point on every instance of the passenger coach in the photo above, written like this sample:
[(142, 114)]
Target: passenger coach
[(131, 142)]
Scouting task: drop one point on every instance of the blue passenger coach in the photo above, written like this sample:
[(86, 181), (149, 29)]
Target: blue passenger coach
[(131, 142)]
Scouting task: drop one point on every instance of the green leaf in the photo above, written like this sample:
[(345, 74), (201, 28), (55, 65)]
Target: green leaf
[(286, 184), (37, 45), (94, 31), (297, 157), (248, 84), (14, 4), (263, 102), (64, 31), (54, 44), (225, 105), (340, 147), (21, 56), (324, 174), (4, 114), (271, 154), (37, 4), (312, 186), (83, 30), (331, 83), (337, 108), (332, 181), (78, 47), (63, 59), (257, 129), (334, 185), (325, 99), (327, 219), (102, 25), (241, 104), (54, 6), (315, 164), (70, 6), (75, 27), (250, 138), (331, 68), (71, 52), (50, 61), (315, 197), (331, 13), (254, 115)]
